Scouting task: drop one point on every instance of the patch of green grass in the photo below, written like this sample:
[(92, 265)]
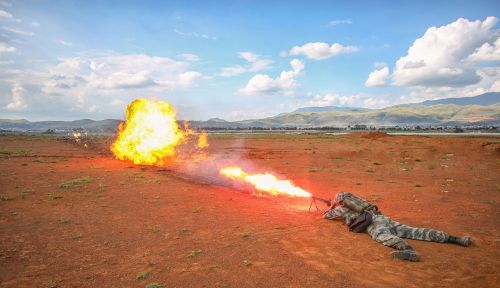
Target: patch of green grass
[(77, 237), (194, 253), (418, 160), (184, 231), (15, 152), (156, 229), (151, 263), (74, 182), (431, 166), (247, 262), (418, 185), (370, 171), (40, 160), (314, 169), (377, 163), (63, 220), (52, 285), (54, 196), (24, 164), (142, 275), (154, 285), (5, 197), (196, 210)]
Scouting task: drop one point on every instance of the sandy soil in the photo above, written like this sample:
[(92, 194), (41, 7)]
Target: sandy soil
[(122, 220)]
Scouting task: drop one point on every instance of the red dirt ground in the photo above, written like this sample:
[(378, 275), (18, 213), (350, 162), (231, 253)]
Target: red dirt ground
[(130, 219)]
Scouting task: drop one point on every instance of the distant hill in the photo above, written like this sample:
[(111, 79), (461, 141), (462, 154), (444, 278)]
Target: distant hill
[(330, 109), (436, 115), (83, 124), (482, 110), (216, 120), (485, 99)]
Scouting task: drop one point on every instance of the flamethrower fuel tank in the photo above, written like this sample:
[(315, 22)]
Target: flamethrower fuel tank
[(358, 204)]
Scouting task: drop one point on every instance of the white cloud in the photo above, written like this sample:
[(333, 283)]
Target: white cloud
[(5, 14), (232, 71), (333, 99), (189, 57), (338, 99), (120, 72), (379, 65), (373, 102), (321, 50), (255, 63), (439, 57), (18, 31), (17, 98), (35, 24), (4, 48), (378, 77), (6, 62), (195, 34), (187, 78), (90, 83), (64, 43), (487, 52), (338, 22), (285, 83)]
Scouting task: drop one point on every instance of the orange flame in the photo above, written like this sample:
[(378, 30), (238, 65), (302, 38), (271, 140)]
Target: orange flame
[(265, 182), (203, 140), (149, 134)]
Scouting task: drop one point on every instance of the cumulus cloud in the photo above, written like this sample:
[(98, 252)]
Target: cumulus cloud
[(120, 72), (338, 99), (378, 78), (334, 99), (487, 52), (5, 48), (17, 102), (255, 63), (439, 57), (285, 83), (321, 50), (81, 83)]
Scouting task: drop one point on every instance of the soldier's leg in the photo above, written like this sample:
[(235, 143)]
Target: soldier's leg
[(427, 234), (424, 234), (382, 234)]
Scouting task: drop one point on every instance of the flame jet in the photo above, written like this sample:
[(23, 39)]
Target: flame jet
[(265, 182)]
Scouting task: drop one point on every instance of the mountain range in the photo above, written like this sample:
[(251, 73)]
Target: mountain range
[(481, 110)]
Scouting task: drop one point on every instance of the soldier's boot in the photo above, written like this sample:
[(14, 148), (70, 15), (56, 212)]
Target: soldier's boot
[(465, 241), (404, 252)]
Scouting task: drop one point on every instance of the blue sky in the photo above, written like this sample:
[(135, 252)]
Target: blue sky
[(236, 60)]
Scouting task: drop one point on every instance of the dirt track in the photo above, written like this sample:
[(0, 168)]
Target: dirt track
[(120, 220)]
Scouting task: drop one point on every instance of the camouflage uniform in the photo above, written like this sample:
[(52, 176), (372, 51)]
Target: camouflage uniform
[(384, 230)]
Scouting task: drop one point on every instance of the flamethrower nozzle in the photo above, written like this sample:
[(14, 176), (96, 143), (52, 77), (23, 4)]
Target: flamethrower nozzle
[(328, 202)]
